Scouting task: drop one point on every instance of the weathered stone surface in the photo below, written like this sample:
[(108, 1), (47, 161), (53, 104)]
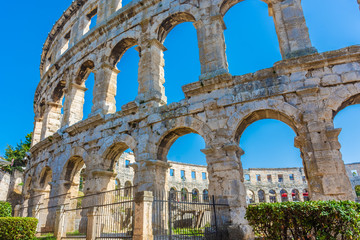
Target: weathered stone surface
[(305, 91)]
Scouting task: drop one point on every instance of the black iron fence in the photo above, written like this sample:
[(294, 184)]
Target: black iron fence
[(180, 215), (105, 215)]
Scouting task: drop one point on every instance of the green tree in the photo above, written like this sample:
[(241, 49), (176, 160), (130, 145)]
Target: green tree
[(17, 154), (357, 190)]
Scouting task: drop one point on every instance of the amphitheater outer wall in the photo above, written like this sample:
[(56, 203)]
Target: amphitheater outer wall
[(305, 90)]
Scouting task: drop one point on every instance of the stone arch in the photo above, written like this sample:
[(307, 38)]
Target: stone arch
[(58, 92), (41, 110), (117, 183), (84, 71), (178, 128), (45, 177), (195, 195), (284, 195), (286, 114), (173, 194), (114, 146), (261, 195), (205, 194), (225, 5), (251, 196), (295, 195), (272, 195), (119, 49), (339, 104), (184, 194), (77, 158), (27, 187), (306, 195), (170, 22)]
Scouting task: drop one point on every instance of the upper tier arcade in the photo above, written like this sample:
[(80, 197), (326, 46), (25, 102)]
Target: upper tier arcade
[(92, 36)]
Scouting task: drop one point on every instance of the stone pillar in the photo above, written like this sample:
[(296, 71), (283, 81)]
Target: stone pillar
[(17, 211), (97, 181), (301, 196), (92, 223), (74, 102), (278, 197), (143, 216), (256, 197), (37, 131), (151, 73), (267, 197), (324, 167), (291, 28), (108, 7), (105, 90), (226, 182), (52, 119), (150, 175), (60, 223), (211, 41)]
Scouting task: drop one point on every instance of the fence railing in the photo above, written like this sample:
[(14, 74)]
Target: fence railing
[(179, 215), (105, 215)]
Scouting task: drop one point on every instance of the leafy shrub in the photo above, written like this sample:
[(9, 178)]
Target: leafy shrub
[(5, 209), (323, 220), (17, 228)]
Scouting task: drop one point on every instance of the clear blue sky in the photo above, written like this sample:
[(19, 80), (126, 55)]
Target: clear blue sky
[(251, 45)]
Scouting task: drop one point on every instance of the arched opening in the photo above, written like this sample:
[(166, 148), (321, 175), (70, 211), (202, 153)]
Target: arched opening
[(295, 195), (58, 98), (284, 195), (74, 179), (89, 95), (184, 194), (45, 179), (306, 195), (81, 93), (270, 158), (256, 43), (125, 57), (261, 195), (46, 213), (328, 32), (182, 65), (206, 195), (173, 194), (347, 118), (117, 184), (181, 148), (272, 196), (250, 196), (118, 158), (195, 195)]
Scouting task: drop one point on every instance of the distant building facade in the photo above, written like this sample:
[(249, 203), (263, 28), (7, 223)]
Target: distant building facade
[(263, 184), (353, 171)]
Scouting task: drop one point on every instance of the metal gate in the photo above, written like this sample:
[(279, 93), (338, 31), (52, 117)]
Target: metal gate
[(183, 215)]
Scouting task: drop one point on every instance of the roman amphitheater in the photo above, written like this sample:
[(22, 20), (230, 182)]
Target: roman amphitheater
[(305, 90)]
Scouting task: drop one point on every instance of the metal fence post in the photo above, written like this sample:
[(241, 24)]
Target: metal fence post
[(170, 217), (143, 216)]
